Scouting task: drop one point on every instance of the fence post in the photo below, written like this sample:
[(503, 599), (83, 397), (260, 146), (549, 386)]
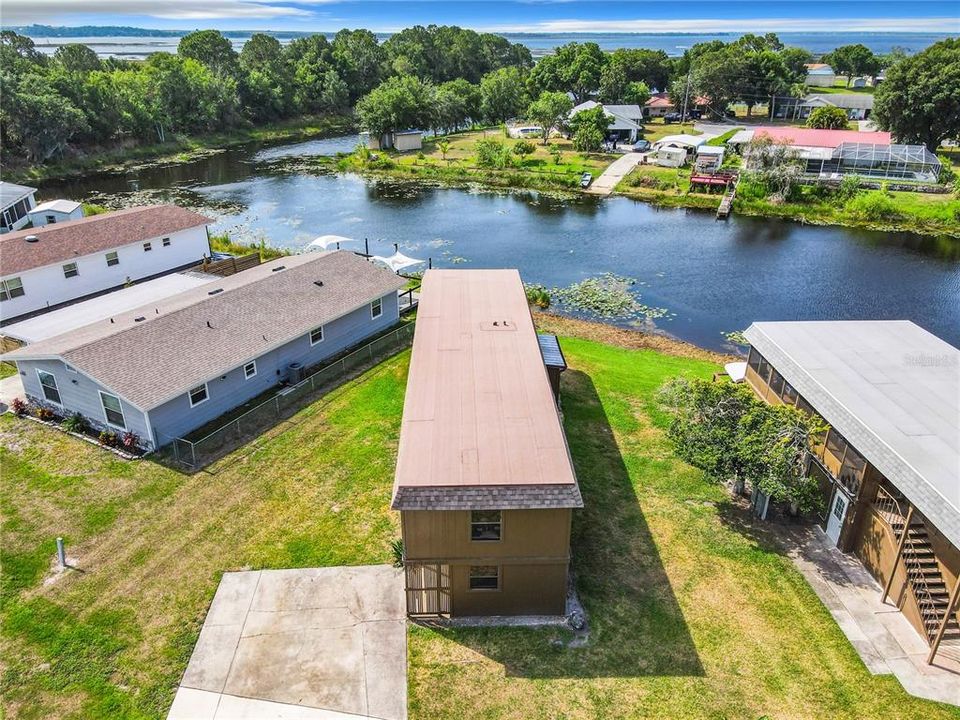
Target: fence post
[(276, 403), (193, 455), (176, 450)]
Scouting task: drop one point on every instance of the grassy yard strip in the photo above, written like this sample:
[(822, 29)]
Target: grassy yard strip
[(694, 613), (182, 148), (113, 640)]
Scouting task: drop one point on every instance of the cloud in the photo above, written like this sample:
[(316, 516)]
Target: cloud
[(712, 26), (56, 11)]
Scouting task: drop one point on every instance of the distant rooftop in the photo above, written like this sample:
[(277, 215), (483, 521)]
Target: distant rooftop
[(64, 206), (96, 233), (11, 193), (480, 424), (889, 387), (810, 137)]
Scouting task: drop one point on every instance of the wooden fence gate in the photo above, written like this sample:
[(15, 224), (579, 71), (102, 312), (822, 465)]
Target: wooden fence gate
[(428, 589)]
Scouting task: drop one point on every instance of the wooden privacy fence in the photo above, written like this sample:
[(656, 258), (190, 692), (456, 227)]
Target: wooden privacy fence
[(228, 266), (197, 453)]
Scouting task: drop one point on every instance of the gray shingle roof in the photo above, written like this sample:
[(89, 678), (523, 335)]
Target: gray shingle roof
[(488, 497), (892, 390), (194, 336)]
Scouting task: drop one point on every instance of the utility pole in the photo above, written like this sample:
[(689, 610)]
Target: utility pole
[(686, 94)]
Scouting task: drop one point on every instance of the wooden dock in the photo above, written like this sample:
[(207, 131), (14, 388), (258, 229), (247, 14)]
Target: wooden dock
[(726, 204)]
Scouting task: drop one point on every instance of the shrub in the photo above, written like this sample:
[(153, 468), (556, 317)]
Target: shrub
[(947, 174), (492, 154), (538, 296), (875, 205), (108, 438), (849, 188), (131, 441), (19, 407), (556, 153), (76, 423), (523, 148), (396, 548), (46, 414)]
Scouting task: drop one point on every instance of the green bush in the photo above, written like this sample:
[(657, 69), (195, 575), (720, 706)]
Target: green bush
[(76, 423), (875, 205), (849, 188), (493, 154), (522, 148)]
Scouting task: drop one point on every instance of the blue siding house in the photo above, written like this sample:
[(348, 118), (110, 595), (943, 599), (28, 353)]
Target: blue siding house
[(163, 370)]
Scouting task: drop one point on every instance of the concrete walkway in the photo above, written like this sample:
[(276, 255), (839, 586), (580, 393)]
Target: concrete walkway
[(10, 388), (312, 644), (614, 173), (885, 640)]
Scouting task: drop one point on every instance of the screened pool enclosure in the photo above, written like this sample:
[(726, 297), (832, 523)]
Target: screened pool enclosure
[(887, 162)]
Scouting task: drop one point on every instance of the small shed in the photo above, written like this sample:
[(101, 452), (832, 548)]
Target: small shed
[(407, 140), (669, 156), (553, 360), (54, 211)]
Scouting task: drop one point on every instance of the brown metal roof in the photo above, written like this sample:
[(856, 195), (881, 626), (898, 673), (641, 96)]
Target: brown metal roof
[(195, 336), (479, 411), (65, 241)]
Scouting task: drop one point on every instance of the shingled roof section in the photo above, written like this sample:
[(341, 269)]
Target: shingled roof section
[(491, 497), (156, 352), (61, 242)]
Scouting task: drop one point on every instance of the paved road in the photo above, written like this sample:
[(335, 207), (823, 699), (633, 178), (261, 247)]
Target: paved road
[(614, 173)]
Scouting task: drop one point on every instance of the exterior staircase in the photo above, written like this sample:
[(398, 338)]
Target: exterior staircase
[(924, 578)]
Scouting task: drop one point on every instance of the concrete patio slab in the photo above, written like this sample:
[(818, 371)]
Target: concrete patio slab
[(885, 640), (311, 643)]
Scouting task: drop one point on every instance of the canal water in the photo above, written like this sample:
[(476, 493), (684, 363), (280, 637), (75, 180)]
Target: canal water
[(706, 278)]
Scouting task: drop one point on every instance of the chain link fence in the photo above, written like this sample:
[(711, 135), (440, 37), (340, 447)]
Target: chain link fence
[(197, 453)]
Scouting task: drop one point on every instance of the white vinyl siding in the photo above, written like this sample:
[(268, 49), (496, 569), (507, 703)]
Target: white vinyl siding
[(112, 410)]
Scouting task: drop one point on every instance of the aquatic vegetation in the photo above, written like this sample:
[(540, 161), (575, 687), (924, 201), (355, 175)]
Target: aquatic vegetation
[(735, 337), (537, 295), (607, 296)]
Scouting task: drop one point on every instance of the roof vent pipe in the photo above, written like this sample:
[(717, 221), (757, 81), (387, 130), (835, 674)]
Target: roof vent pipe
[(209, 325)]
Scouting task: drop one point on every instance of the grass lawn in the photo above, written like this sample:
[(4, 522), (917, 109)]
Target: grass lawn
[(7, 369), (539, 170), (693, 612)]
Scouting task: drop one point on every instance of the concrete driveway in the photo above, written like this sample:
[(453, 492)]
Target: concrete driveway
[(10, 388), (313, 644)]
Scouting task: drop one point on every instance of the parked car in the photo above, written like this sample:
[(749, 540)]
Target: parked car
[(641, 146), (585, 180), (671, 118)]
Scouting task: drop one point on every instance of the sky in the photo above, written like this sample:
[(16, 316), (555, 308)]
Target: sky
[(550, 16)]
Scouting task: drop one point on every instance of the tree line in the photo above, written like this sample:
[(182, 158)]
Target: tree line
[(77, 98), (442, 78)]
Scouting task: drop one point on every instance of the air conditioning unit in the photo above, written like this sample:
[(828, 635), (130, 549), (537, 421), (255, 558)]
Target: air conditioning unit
[(295, 373)]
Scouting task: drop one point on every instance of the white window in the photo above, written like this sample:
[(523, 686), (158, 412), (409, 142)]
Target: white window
[(250, 369), (112, 410), (51, 219), (147, 247), (376, 308), (70, 270), (70, 368), (198, 395), (166, 242), (112, 259), (48, 383), (11, 288), (316, 335)]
